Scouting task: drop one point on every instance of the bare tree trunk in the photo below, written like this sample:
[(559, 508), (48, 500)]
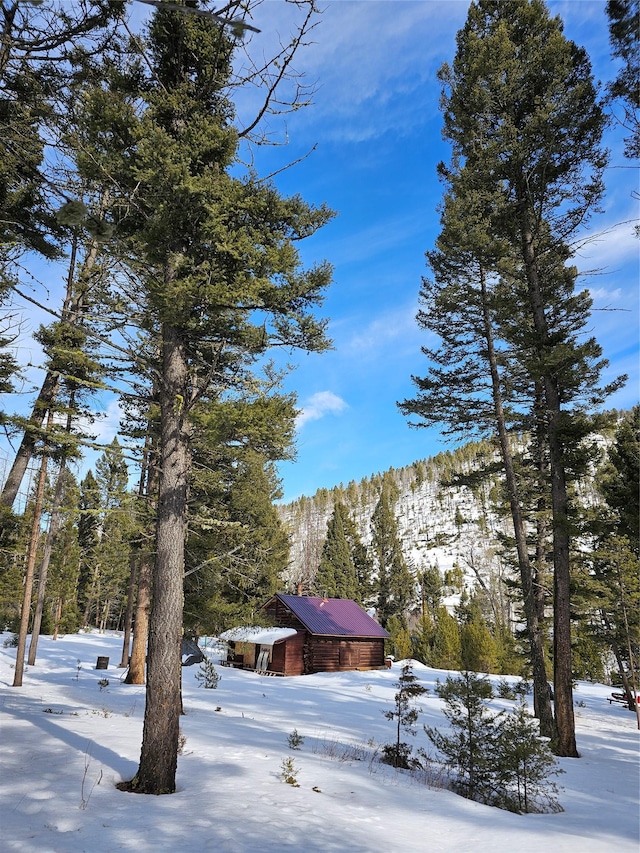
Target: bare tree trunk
[(134, 578), (565, 745), (534, 628), (128, 615), (138, 657), (159, 756), (136, 674), (57, 619), (54, 526), (28, 580)]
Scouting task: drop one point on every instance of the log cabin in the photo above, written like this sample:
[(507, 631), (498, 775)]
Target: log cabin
[(309, 635)]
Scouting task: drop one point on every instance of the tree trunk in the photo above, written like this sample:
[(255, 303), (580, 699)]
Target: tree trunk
[(534, 628), (565, 744), (28, 580), (159, 756), (57, 619), (138, 657), (137, 661), (54, 525), (128, 615), (134, 579)]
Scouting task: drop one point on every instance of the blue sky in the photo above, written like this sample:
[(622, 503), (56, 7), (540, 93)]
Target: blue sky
[(375, 126)]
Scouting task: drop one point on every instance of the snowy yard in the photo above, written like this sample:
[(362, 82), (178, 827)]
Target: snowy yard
[(66, 742)]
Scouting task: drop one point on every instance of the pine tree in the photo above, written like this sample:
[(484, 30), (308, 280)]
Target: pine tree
[(220, 279), (336, 576), (447, 650), (467, 751), (521, 112), (523, 764), (405, 714), (619, 482), (395, 583)]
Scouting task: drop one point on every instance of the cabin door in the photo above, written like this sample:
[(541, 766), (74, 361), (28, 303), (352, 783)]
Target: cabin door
[(349, 655)]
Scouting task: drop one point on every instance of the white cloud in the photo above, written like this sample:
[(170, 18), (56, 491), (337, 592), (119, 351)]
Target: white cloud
[(602, 295), (318, 405), (107, 423)]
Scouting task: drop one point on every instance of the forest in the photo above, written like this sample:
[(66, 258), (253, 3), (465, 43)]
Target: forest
[(125, 157)]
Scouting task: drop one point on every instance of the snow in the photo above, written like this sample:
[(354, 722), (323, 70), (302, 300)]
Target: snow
[(66, 742), (258, 636)]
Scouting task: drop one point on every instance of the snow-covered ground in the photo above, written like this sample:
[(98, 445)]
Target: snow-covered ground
[(65, 743)]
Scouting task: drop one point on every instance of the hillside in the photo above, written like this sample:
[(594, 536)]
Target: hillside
[(449, 526)]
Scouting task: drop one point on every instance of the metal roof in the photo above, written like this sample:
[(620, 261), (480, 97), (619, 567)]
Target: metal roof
[(332, 617)]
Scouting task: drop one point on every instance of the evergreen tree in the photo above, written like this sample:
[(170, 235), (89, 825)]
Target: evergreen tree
[(395, 583), (523, 764), (619, 482), (237, 547), (447, 649), (405, 714), (467, 751), (521, 112), (336, 576), (400, 637), (88, 541), (220, 279)]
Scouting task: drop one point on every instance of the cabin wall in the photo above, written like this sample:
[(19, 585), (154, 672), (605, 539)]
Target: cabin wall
[(335, 654), (287, 657), (282, 616)]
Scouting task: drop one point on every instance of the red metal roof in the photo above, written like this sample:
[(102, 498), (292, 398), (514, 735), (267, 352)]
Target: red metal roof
[(332, 617)]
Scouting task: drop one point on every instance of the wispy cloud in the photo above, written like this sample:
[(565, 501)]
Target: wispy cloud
[(318, 405), (106, 425), (368, 58), (385, 329)]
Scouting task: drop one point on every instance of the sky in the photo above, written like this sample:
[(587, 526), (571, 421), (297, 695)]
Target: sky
[(376, 126), (373, 139), (67, 741)]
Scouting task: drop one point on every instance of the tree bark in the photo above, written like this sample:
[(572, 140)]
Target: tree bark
[(134, 581), (54, 526), (28, 580), (565, 745), (530, 607), (137, 660), (159, 756)]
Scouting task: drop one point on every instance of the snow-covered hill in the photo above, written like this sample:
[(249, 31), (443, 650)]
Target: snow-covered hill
[(449, 526), (66, 741)]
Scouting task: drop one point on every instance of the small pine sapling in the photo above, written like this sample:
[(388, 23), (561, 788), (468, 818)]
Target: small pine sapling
[(468, 750), (524, 764), (295, 740), (207, 676), (289, 772), (405, 713)]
